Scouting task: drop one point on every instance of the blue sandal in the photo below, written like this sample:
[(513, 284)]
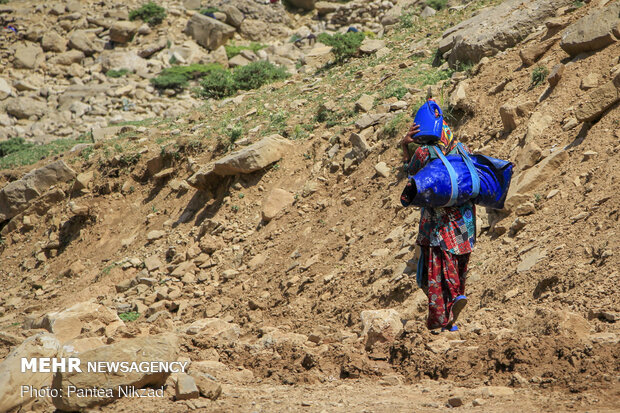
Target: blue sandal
[(451, 329), (457, 306)]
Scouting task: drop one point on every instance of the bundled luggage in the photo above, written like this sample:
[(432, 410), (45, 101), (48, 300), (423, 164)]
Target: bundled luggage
[(457, 178)]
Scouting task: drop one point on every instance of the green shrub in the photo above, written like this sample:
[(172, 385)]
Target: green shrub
[(150, 13), (437, 4), (169, 81), (4, 1), (129, 316), (177, 77), (116, 73), (233, 50), (218, 84), (539, 74), (256, 74), (344, 45), (193, 71), (209, 10)]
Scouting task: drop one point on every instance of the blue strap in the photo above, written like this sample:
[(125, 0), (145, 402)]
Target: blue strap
[(452, 173), (475, 178)]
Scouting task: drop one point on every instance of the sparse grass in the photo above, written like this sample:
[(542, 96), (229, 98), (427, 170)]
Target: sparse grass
[(407, 20), (539, 74), (394, 127), (277, 122), (394, 89), (117, 73), (344, 45), (27, 153), (578, 3), (129, 316), (150, 13), (106, 270), (300, 132), (437, 4), (233, 50), (234, 133)]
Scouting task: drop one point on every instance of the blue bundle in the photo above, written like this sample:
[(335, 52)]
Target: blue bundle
[(455, 179)]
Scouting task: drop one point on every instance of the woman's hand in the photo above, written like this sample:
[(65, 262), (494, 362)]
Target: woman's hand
[(415, 128)]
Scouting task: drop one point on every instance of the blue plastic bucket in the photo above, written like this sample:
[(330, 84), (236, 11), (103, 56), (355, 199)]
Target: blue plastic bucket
[(430, 119)]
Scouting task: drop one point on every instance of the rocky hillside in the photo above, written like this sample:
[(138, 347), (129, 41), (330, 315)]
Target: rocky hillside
[(261, 238)]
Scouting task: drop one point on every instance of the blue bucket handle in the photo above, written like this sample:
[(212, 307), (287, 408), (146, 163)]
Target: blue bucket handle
[(433, 106)]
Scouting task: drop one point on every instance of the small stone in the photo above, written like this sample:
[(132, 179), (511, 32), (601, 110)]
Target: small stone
[(556, 74), (590, 81), (155, 235), (186, 387), (455, 401), (152, 263), (526, 208), (382, 169), (587, 155), (364, 103)]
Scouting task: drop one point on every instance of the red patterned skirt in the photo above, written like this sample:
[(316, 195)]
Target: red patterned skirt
[(444, 281)]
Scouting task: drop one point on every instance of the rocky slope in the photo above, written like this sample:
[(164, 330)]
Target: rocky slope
[(280, 263)]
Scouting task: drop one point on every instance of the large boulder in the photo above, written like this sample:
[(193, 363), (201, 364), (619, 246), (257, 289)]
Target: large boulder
[(496, 29), (512, 113), (28, 55), (527, 181), (163, 348), (24, 108), (116, 60), (53, 42), (209, 32), (598, 100), (17, 195), (233, 16), (592, 32), (380, 326), (84, 42), (216, 329), (11, 377), (68, 58), (123, 31), (253, 157), (68, 324)]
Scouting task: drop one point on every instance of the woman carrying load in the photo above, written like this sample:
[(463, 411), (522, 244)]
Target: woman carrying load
[(446, 237)]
